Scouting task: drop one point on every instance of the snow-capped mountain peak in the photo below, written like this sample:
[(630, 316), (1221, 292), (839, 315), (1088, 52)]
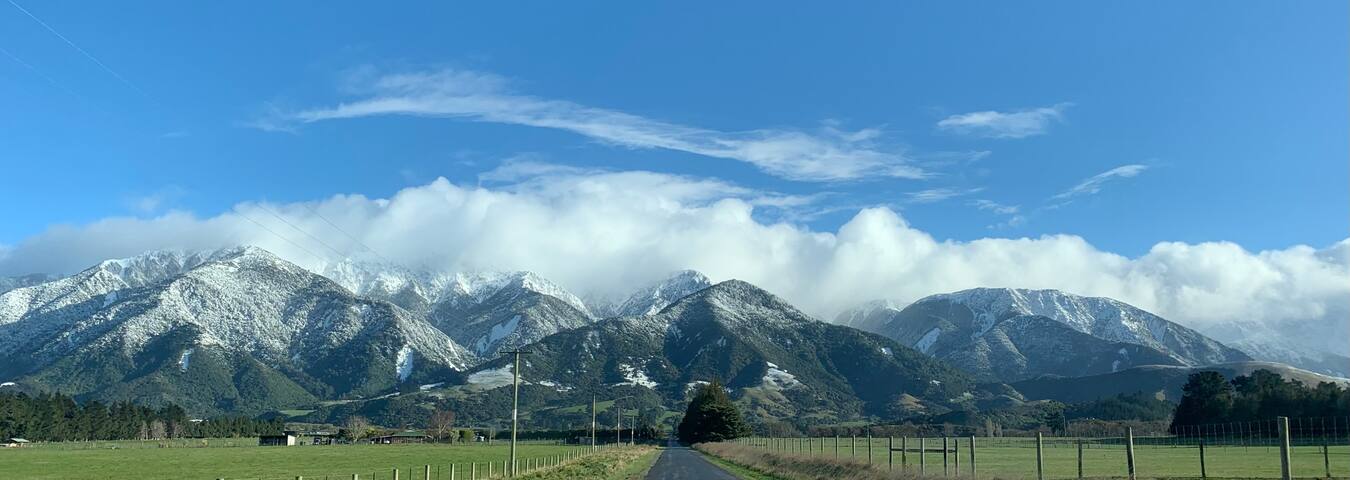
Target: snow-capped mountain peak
[(529, 281), (1098, 316), (1020, 332), (651, 299), (869, 316)]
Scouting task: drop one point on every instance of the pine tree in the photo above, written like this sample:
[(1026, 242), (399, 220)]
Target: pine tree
[(1207, 398), (711, 417)]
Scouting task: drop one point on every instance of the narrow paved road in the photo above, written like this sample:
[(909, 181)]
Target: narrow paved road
[(681, 463)]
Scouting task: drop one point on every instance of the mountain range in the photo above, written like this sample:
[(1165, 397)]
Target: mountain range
[(1009, 334), (240, 330)]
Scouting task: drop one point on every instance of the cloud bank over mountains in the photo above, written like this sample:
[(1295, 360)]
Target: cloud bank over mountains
[(595, 231)]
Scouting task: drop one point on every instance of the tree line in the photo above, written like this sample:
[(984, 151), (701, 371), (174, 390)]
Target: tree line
[(1209, 398), (54, 417)]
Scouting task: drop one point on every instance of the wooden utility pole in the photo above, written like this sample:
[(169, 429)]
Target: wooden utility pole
[(515, 406), (1040, 459), (1129, 451), (1202, 459), (592, 421), (1286, 470)]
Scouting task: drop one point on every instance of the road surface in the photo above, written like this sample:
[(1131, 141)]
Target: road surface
[(681, 463)]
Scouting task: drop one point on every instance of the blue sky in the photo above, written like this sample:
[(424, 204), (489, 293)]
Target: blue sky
[(1229, 118)]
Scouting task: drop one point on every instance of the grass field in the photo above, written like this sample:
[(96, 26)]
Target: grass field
[(1016, 458), (245, 460)]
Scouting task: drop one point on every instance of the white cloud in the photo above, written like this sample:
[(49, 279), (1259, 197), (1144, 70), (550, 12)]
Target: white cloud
[(995, 207), (603, 232), (933, 195), (829, 154), (1019, 124), (1093, 184), (155, 201)]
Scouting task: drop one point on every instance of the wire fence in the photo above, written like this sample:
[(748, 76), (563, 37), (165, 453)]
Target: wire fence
[(1306, 448), (465, 470)]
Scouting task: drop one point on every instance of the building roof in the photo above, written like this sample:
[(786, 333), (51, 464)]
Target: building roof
[(406, 433)]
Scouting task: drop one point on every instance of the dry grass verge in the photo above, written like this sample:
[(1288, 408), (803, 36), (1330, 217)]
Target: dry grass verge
[(800, 467), (616, 464)]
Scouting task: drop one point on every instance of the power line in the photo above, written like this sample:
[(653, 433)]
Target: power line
[(36, 71), (77, 48), (344, 232), (298, 229), (278, 235)]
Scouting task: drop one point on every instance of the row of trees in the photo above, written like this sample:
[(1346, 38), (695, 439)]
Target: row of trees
[(1209, 398), (440, 426), (57, 417)]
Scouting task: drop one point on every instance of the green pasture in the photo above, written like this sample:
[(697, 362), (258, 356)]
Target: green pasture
[(243, 459)]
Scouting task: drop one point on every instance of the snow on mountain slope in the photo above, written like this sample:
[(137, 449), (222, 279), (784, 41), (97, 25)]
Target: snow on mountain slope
[(778, 360), (242, 301), (958, 326), (1266, 348), (416, 290), (11, 283), (870, 316), (1100, 317), (54, 305), (524, 310), (651, 299)]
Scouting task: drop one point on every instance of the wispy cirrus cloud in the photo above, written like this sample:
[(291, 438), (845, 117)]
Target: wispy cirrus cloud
[(1010, 213), (995, 207), (822, 155), (995, 124), (1093, 184), (933, 195), (528, 174)]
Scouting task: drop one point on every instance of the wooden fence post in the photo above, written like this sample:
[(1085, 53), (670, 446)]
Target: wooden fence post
[(944, 456), (1286, 470), (1080, 459), (956, 457), (426, 472), (890, 453), (1129, 451), (922, 451), (869, 446), (904, 452), (452, 471), (395, 473), (1040, 463), (972, 457)]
